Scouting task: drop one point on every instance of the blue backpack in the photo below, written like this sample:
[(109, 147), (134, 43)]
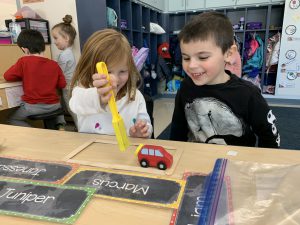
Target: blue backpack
[(111, 17)]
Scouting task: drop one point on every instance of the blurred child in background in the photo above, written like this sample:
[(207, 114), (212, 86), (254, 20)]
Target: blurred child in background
[(64, 35), (41, 78)]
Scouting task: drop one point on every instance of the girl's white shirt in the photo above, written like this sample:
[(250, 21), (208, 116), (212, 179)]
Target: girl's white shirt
[(92, 118)]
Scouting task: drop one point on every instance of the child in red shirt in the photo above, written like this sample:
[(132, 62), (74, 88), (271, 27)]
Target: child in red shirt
[(41, 78)]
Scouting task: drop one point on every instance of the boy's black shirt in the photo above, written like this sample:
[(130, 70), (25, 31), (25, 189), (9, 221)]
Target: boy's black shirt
[(232, 113)]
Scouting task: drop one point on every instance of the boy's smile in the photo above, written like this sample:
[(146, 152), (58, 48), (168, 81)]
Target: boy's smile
[(204, 62)]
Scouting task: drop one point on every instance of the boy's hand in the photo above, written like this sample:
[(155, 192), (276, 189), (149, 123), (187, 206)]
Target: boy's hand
[(104, 87), (139, 129)]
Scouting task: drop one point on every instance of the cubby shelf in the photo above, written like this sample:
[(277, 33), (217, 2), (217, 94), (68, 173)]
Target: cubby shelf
[(136, 16), (270, 15)]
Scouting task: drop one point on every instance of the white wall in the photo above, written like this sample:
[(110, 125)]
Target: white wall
[(7, 8), (54, 11)]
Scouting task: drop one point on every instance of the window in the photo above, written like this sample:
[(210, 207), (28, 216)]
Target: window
[(151, 152), (158, 153), (144, 151)]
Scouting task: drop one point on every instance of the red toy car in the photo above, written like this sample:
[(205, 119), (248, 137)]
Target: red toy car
[(154, 156)]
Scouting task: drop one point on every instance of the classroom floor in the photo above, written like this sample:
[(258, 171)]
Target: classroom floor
[(162, 113)]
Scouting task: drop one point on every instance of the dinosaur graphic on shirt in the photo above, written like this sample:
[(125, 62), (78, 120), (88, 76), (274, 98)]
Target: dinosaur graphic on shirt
[(209, 119)]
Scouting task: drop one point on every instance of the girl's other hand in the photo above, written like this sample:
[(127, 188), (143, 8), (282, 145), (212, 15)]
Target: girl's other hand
[(139, 129), (104, 87)]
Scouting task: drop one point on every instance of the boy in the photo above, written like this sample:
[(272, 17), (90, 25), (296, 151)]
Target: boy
[(41, 78), (213, 105)]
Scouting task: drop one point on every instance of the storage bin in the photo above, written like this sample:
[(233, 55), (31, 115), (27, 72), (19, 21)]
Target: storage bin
[(254, 25), (35, 24), (5, 40), (123, 24)]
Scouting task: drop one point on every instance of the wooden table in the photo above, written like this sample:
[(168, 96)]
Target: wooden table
[(55, 145)]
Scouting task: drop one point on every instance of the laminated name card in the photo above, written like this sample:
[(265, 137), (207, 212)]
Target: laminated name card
[(50, 202), (191, 205), (38, 170), (131, 187)]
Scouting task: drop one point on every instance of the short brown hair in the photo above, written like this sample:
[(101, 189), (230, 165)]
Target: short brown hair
[(32, 40), (109, 46), (207, 25)]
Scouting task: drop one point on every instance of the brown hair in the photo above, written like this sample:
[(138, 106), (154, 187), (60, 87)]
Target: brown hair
[(109, 46), (65, 29), (207, 25)]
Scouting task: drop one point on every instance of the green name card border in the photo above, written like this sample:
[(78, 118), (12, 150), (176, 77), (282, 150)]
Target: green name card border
[(90, 191)]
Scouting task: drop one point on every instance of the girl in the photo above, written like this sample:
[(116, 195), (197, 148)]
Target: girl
[(41, 78), (235, 66), (64, 34), (90, 94)]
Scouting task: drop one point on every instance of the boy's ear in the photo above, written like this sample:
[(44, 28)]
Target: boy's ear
[(230, 52), (25, 50)]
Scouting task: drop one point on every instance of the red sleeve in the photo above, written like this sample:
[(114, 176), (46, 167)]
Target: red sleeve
[(61, 79), (15, 72)]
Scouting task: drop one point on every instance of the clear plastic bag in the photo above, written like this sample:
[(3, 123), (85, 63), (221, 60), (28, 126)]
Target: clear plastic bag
[(247, 193)]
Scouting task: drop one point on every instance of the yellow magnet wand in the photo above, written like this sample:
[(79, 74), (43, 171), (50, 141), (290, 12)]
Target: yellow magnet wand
[(117, 120)]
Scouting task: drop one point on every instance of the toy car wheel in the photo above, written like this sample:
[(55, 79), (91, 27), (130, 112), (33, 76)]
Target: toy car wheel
[(144, 163), (161, 166)]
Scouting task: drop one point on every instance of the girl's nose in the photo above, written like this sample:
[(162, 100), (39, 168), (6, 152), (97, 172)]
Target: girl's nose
[(114, 79)]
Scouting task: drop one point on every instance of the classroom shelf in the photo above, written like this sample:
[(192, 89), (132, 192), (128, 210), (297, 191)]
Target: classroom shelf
[(270, 15), (135, 15), (35, 24)]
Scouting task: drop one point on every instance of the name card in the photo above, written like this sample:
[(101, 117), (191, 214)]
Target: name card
[(192, 201), (35, 170), (49, 202), (143, 189)]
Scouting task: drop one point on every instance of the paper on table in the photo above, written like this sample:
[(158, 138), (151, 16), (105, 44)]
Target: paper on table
[(13, 95)]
